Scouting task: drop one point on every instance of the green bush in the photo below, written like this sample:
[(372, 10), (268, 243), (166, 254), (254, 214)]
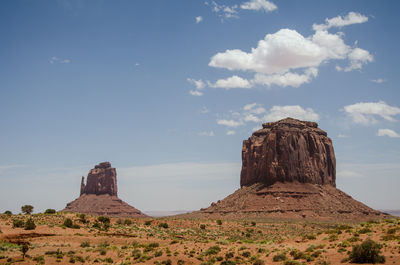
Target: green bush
[(68, 222), (127, 222), (147, 223), (367, 252), (163, 225), (24, 249), (50, 211), (18, 223), (213, 250), (103, 219), (30, 224), (219, 222), (85, 244), (202, 226), (279, 257), (8, 212), (27, 209)]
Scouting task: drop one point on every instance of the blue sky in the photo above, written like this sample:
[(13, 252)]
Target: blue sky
[(168, 90)]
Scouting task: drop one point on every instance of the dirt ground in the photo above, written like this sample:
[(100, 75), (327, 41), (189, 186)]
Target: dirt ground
[(189, 241)]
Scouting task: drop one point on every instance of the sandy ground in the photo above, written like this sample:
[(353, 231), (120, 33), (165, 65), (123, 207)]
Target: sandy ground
[(191, 241)]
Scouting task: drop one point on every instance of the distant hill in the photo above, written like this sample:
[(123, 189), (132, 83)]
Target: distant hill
[(165, 213), (392, 212)]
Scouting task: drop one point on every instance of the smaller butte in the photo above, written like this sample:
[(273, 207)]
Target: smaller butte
[(99, 196)]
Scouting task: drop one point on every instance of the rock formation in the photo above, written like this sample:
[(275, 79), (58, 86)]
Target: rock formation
[(288, 171), (102, 179), (288, 150), (99, 195)]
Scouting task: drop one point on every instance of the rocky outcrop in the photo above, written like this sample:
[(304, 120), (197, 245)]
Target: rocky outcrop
[(288, 150), (99, 195), (102, 179), (288, 172)]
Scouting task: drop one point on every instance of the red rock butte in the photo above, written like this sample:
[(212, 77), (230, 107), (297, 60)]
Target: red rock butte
[(289, 172), (99, 196)]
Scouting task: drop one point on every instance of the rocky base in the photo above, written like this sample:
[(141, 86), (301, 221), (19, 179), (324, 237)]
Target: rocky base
[(290, 200), (104, 204)]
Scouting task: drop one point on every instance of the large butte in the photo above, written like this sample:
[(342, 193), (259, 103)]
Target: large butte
[(289, 171)]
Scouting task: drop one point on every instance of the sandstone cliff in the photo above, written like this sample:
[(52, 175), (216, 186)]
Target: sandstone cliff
[(288, 150)]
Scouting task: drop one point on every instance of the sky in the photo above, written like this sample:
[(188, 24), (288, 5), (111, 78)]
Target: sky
[(168, 90)]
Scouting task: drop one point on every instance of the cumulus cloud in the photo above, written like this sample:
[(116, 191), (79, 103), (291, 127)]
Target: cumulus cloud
[(231, 82), (365, 113), (255, 113), (388, 132), (265, 5), (287, 58), (198, 19), (199, 86), (339, 21)]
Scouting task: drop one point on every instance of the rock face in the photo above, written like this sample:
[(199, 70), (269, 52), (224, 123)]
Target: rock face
[(99, 195), (288, 172), (102, 179), (288, 150)]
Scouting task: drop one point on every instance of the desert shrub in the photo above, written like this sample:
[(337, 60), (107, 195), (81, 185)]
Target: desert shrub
[(229, 255), (50, 211), (127, 222), (258, 262), (119, 221), (228, 262), (68, 223), (364, 230), (219, 222), (147, 223), (246, 254), (18, 223), (82, 218), (163, 225), (213, 250), (167, 262), (253, 223), (108, 260), (8, 212), (27, 209), (103, 219), (85, 244), (136, 253), (292, 262), (30, 224), (366, 252), (279, 257), (202, 226), (158, 253)]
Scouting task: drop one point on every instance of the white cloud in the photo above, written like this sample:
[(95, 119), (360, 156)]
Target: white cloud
[(199, 86), (295, 111), (230, 132), (211, 133), (199, 19), (366, 112), (231, 82), (341, 135), (230, 123), (378, 81), (255, 113), (388, 132), (195, 93), (265, 5), (357, 58), (339, 21), (224, 11), (55, 59), (287, 58)]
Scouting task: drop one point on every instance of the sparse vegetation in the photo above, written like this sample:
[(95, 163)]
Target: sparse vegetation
[(27, 209), (367, 252), (30, 224), (50, 211)]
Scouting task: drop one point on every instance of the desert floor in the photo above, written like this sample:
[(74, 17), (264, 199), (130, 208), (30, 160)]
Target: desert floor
[(189, 241)]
